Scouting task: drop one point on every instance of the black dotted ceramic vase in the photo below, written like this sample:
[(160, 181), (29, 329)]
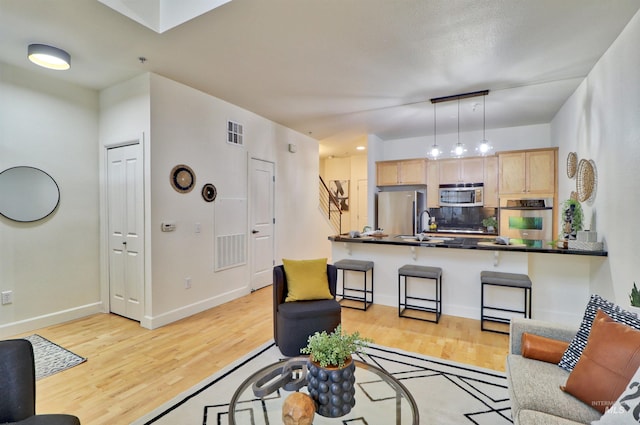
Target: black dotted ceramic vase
[(332, 388)]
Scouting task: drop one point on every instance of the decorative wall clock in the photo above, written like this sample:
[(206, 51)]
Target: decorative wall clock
[(182, 178), (209, 192)]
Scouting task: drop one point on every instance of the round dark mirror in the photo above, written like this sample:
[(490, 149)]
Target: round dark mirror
[(27, 194)]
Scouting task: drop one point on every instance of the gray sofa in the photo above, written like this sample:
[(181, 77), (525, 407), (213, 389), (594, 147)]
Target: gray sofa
[(534, 386)]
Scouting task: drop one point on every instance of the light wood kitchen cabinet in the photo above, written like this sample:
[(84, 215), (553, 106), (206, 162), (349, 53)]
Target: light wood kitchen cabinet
[(410, 171), (491, 182), (464, 170), (433, 183), (531, 172)]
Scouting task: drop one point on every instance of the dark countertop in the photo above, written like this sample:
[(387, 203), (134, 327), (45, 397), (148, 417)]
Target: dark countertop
[(458, 242)]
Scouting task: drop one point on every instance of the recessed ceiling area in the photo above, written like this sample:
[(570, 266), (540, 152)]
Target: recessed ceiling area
[(333, 69), (162, 15)]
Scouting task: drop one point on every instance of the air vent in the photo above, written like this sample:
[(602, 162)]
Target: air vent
[(231, 251), (235, 133)]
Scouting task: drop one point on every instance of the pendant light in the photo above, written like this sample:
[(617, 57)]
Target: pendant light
[(435, 150), (459, 149), (484, 147), (49, 57)]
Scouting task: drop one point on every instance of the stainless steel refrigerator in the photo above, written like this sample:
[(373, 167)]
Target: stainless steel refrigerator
[(398, 212)]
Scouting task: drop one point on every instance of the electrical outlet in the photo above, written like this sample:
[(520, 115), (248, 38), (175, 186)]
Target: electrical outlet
[(187, 283), (7, 297)]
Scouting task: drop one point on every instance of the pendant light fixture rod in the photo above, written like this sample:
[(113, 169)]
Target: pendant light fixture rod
[(434, 125), (484, 116), (458, 121), (459, 96)]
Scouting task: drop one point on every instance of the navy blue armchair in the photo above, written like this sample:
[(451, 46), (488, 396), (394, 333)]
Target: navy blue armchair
[(294, 322), (18, 387)]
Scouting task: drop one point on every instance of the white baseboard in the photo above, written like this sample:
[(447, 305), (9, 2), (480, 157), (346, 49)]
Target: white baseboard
[(50, 319), (154, 322)]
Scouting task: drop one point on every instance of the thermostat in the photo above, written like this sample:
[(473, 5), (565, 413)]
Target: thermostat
[(168, 227)]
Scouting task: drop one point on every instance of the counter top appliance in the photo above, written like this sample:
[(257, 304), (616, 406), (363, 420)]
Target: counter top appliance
[(461, 195)]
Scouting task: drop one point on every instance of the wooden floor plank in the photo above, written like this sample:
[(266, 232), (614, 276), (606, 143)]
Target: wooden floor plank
[(131, 370)]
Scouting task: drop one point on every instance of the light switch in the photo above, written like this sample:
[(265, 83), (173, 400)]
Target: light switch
[(197, 227)]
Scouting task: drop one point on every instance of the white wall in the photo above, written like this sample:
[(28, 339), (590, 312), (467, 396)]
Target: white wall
[(502, 139), (57, 268), (125, 117), (189, 127), (52, 265), (600, 121)]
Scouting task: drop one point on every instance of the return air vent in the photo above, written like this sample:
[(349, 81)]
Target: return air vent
[(231, 251), (235, 133)]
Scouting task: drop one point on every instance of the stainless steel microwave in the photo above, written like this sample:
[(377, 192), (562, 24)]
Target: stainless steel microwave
[(462, 195)]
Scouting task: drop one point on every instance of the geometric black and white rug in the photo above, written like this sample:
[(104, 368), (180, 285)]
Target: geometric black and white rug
[(50, 358), (445, 392)]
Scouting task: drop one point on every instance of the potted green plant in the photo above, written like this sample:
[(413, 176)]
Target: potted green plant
[(572, 216), (634, 298), (335, 348), (490, 223), (331, 370)]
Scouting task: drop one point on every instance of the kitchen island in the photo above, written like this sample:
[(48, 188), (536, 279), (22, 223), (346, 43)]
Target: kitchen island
[(562, 278)]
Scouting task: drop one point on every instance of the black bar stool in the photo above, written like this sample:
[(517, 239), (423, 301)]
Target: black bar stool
[(405, 301), (505, 280), (363, 295)]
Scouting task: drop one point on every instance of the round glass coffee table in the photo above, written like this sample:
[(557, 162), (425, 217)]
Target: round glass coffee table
[(380, 399)]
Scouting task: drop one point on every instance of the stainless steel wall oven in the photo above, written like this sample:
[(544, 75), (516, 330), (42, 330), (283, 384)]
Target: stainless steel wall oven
[(528, 219)]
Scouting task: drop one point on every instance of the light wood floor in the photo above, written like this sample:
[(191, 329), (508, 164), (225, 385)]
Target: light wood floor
[(131, 370)]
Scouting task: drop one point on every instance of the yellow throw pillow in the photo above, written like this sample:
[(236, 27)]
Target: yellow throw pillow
[(307, 280)]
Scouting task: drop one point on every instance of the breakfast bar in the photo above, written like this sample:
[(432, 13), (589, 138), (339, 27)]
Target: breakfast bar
[(561, 278)]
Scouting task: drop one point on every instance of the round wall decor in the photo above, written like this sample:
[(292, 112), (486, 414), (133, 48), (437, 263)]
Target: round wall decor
[(572, 164), (209, 192), (586, 180), (182, 178)]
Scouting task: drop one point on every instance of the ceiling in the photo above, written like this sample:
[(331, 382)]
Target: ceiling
[(339, 70)]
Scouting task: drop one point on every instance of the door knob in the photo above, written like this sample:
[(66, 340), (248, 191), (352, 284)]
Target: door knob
[(255, 231), (124, 243)]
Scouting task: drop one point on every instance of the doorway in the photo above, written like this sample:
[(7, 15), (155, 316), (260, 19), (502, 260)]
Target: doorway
[(125, 203), (262, 222)]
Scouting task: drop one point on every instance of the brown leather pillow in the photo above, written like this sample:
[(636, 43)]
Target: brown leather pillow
[(608, 362), (542, 348)]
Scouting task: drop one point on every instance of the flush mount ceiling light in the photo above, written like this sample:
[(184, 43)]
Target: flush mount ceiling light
[(484, 147), (459, 148), (49, 57)]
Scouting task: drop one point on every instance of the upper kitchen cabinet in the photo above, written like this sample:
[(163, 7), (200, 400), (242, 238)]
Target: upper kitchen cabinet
[(464, 170), (433, 181), (410, 171), (491, 182), (530, 172)]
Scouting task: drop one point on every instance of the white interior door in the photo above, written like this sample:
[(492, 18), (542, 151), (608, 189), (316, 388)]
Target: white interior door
[(126, 241), (262, 219)]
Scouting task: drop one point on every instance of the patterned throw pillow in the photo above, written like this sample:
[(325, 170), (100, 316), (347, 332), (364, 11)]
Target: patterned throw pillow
[(626, 410), (572, 355)]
